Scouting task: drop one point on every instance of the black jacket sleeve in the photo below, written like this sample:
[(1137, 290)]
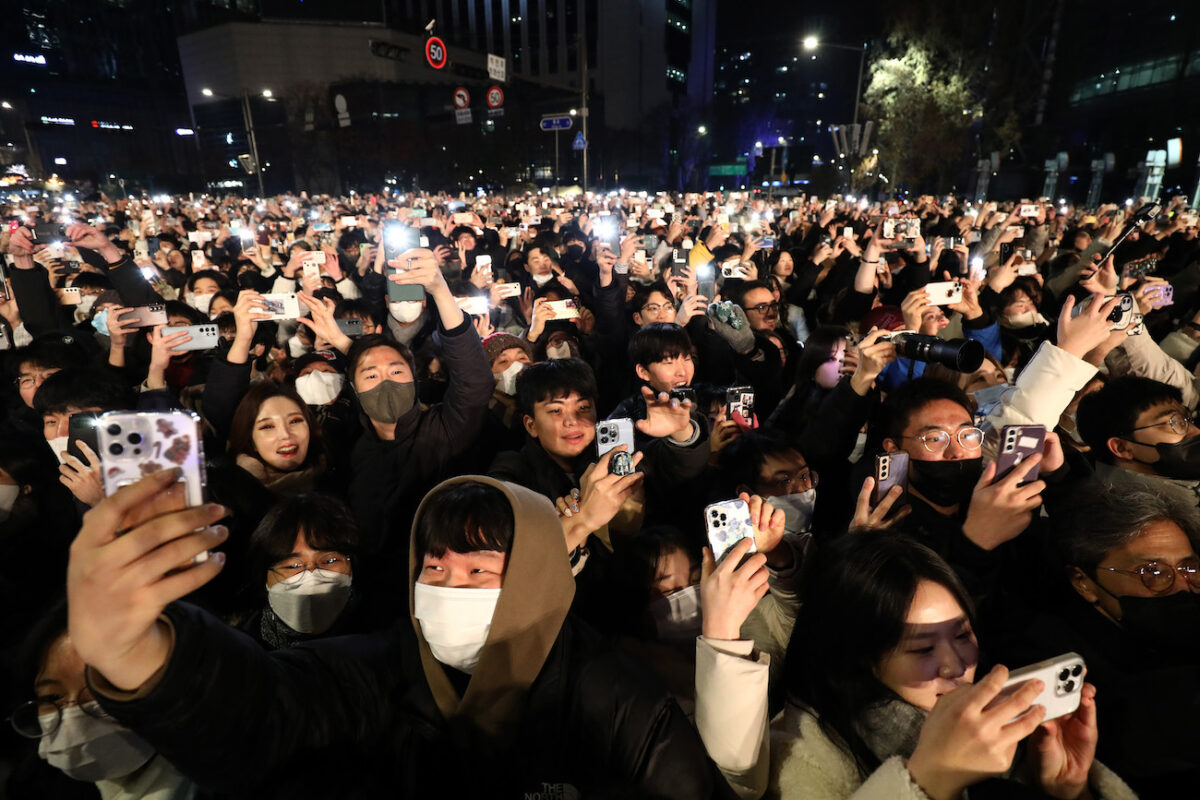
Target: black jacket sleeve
[(455, 422), (223, 390), (228, 714), (40, 309), (131, 284)]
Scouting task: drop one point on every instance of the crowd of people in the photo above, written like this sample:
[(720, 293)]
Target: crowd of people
[(423, 495)]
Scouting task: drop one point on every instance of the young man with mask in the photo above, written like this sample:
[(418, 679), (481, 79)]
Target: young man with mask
[(1142, 436), (959, 508), (1129, 555), (488, 668), (404, 448)]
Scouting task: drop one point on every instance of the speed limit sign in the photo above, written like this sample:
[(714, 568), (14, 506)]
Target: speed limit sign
[(435, 52), (495, 97)]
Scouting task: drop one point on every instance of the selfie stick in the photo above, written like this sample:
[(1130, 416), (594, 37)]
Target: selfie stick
[(1140, 216)]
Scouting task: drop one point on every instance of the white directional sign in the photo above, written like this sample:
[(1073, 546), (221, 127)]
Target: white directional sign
[(497, 67), (462, 116)]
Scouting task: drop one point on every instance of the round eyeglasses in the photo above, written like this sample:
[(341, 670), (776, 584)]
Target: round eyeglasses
[(322, 563), (38, 718), (1159, 577), (938, 441)]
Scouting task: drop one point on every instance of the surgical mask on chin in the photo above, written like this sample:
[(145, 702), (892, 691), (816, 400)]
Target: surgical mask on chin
[(9, 492), (406, 311), (455, 622), (319, 388), (797, 510), (100, 322), (560, 350), (1180, 460), (200, 302), (89, 749), (1025, 319), (677, 616), (388, 401), (945, 483), (1010, 374), (506, 381), (296, 348), (59, 446), (542, 280), (311, 601), (988, 398)]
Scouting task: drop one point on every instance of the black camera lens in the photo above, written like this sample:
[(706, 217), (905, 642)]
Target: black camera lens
[(116, 449), (1077, 670), (114, 429), (135, 438), (962, 355), (1069, 687), (1064, 674)]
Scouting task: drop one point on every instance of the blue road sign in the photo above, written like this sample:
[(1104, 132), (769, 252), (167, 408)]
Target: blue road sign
[(557, 123), (580, 143)]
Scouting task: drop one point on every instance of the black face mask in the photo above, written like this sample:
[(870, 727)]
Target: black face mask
[(1180, 460), (1168, 621), (575, 252), (945, 483)]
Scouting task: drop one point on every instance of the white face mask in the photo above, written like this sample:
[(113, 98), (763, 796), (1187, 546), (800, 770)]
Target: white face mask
[(988, 398), (797, 510), (59, 446), (311, 601), (296, 348), (200, 302), (542, 280), (1010, 374), (91, 749), (560, 350), (506, 381), (9, 492), (455, 622), (677, 616), (406, 310), (319, 388), (1023, 320)]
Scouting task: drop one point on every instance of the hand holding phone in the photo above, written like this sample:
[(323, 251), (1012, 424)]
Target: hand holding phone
[(726, 524)]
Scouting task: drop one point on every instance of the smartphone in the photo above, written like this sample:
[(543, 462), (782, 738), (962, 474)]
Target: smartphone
[(891, 469), (204, 337), (322, 227), (727, 523), (134, 444), (732, 268), (349, 222), (944, 293), (766, 243), (610, 434), (740, 400), (475, 305), (1027, 268), (1006, 251), (683, 393), (1017, 443), (650, 242), (400, 292), (71, 296), (281, 305), (847, 232), (1120, 318), (350, 326), (1163, 296), (46, 232), (145, 316), (82, 428), (507, 290), (483, 263), (463, 218), (564, 309), (1063, 678), (312, 264), (1028, 210), (1140, 268)]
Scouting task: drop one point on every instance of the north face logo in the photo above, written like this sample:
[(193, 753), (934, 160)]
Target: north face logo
[(555, 791)]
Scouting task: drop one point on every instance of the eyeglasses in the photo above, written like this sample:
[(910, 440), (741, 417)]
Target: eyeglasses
[(31, 379), (38, 718), (938, 441), (322, 564), (804, 479), (1179, 422), (654, 308), (761, 308), (1159, 577)]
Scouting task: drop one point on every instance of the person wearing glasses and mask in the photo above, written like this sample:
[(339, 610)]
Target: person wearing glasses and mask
[(74, 735), (1143, 436), (959, 507), (1130, 605)]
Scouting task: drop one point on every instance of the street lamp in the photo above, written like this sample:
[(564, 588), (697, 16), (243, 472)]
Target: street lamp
[(812, 43), (248, 121), (702, 130)]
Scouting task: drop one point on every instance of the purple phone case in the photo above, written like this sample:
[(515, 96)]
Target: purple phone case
[(891, 469), (1017, 443)]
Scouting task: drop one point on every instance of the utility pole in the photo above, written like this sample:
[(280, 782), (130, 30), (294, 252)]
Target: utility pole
[(862, 60), (583, 109), (248, 119)]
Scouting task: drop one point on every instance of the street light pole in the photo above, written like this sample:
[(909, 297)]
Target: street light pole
[(248, 119), (862, 60)]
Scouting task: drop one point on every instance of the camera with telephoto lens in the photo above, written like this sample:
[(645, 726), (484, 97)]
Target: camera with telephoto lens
[(963, 355)]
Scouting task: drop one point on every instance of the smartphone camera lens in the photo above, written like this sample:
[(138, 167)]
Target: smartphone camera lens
[(114, 430), (1077, 670), (116, 449), (1064, 674), (1069, 687), (135, 438)]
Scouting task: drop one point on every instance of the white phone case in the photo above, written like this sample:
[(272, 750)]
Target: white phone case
[(614, 432), (944, 293), (282, 306), (564, 309), (134, 444), (727, 524), (1063, 678), (204, 337)]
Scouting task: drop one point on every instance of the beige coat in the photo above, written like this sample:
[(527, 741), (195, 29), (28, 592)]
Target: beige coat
[(793, 758)]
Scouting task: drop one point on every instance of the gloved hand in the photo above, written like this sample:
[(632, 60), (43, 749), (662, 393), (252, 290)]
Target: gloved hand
[(729, 320)]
